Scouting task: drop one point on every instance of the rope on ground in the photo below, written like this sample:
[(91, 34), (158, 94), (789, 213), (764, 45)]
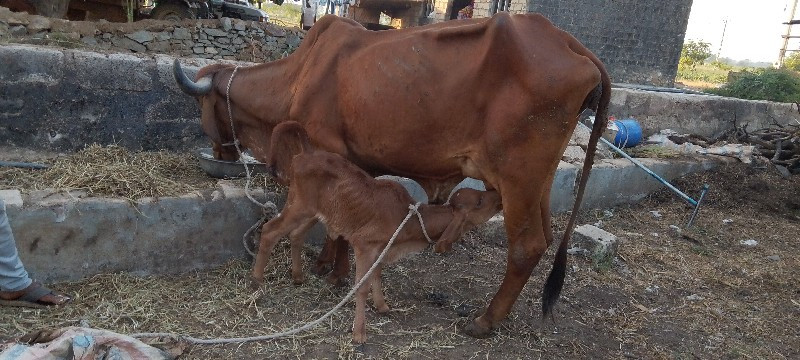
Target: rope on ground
[(268, 206), (412, 209)]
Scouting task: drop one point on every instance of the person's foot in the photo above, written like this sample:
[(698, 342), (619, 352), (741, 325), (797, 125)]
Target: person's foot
[(35, 295)]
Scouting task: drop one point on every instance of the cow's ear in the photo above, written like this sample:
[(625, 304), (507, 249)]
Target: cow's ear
[(452, 233), (209, 118)]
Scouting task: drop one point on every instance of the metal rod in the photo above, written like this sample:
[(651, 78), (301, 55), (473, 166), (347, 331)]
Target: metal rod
[(641, 166), (697, 208)]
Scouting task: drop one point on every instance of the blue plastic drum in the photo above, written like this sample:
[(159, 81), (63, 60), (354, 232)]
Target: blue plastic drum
[(629, 134)]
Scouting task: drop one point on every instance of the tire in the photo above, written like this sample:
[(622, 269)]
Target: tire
[(172, 12)]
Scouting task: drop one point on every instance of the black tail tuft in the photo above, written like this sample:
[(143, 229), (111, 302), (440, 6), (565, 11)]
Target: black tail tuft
[(555, 281)]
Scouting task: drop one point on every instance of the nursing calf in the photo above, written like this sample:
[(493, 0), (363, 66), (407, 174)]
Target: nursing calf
[(325, 187)]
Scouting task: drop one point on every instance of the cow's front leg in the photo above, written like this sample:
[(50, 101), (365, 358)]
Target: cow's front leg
[(341, 263)]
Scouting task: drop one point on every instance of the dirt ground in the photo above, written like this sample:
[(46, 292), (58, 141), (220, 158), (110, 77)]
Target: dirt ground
[(698, 294)]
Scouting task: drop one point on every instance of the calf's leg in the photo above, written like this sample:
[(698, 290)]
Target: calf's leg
[(364, 260), (271, 233), (297, 239), (378, 300)]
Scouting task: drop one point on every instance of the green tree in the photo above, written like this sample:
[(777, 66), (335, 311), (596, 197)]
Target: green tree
[(792, 62), (694, 53)]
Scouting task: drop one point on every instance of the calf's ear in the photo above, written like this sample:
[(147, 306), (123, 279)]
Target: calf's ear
[(451, 234)]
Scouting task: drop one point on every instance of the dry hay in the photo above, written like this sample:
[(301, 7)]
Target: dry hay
[(666, 296), (113, 171), (653, 151)]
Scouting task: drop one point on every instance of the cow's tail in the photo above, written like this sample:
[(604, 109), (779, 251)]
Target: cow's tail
[(289, 139), (555, 281)]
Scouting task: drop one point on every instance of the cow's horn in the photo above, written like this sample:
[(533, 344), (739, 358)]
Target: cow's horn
[(199, 88)]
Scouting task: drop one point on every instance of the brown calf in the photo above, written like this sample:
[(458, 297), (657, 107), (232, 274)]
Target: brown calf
[(364, 211)]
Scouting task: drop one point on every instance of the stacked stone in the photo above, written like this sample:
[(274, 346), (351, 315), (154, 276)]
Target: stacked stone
[(230, 39)]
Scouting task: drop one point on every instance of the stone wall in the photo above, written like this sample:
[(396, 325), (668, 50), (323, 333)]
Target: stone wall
[(225, 38), (62, 100), (639, 41)]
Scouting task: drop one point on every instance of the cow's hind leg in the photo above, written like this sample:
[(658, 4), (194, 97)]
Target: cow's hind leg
[(544, 207), (522, 206)]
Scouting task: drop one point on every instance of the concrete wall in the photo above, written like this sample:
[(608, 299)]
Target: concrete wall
[(705, 115), (61, 100), (62, 237)]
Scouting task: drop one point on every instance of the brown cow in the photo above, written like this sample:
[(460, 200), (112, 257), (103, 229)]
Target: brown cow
[(494, 99)]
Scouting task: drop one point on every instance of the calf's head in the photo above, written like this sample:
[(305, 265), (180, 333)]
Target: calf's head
[(470, 209)]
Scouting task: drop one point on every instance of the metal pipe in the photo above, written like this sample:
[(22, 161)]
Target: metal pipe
[(697, 208), (641, 166)]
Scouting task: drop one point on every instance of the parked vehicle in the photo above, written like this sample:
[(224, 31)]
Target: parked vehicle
[(201, 9), (131, 10)]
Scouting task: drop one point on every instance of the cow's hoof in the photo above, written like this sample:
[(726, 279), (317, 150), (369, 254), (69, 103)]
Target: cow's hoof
[(359, 339), (298, 280), (255, 284), (337, 281), (476, 330), (320, 269), (441, 248), (383, 311)]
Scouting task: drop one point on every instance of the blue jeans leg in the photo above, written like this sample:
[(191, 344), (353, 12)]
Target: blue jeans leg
[(13, 276)]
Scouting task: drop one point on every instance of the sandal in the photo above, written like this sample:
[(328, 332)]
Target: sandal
[(33, 297)]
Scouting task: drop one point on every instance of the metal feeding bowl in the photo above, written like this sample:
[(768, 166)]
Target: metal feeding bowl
[(228, 169)]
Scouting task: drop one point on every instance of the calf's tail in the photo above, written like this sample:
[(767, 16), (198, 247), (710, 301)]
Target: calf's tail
[(555, 281)]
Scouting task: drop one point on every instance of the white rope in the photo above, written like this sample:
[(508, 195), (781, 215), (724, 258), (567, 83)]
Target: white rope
[(268, 206), (421, 223), (412, 209)]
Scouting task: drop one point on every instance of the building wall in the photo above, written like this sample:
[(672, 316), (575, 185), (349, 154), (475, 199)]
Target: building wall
[(638, 40)]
